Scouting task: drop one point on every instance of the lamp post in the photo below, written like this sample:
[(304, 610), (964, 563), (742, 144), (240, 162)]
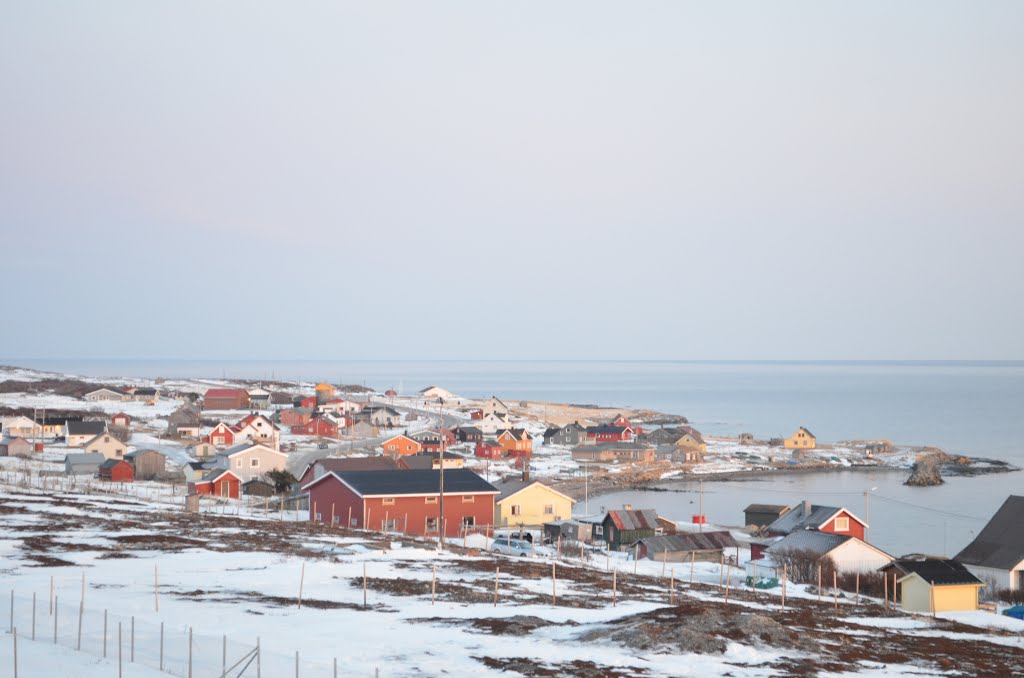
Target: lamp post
[(867, 514), (440, 498)]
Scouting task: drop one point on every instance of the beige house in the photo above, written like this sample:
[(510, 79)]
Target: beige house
[(493, 422), (19, 426), (526, 503), (78, 433), (203, 450), (938, 586), (495, 405), (107, 445), (105, 395), (251, 461)]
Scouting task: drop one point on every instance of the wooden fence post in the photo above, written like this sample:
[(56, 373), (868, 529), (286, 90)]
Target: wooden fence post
[(664, 559), (672, 588), (302, 578), (858, 588), (819, 582), (364, 586), (615, 586), (835, 592), (784, 566), (14, 634), (433, 583), (554, 586), (496, 586), (636, 556), (885, 596), (721, 569)]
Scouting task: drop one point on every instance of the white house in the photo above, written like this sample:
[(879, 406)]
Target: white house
[(436, 392), (996, 556), (492, 423), (848, 553), (495, 405), (105, 394), (258, 429), (19, 427), (249, 461)]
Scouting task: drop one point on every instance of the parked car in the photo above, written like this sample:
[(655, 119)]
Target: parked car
[(512, 547)]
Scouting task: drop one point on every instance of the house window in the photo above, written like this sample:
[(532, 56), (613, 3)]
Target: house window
[(467, 499), (106, 439), (598, 530), (388, 501), (238, 463), (549, 509), (254, 463), (468, 522), (119, 453), (517, 510), (430, 500), (319, 517), (431, 524), (842, 524)]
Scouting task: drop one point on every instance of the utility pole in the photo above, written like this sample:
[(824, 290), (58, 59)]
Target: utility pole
[(700, 507), (440, 499), (586, 490)]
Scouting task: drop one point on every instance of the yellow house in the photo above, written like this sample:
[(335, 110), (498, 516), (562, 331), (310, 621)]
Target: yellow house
[(937, 586), (529, 503), (691, 439), (107, 445), (801, 440)]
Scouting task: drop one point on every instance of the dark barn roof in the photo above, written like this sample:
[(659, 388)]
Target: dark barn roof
[(76, 428), (456, 481), (1000, 544), (629, 519), (697, 541), (938, 572)]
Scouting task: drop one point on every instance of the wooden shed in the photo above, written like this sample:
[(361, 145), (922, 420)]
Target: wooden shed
[(762, 515), (626, 526), (148, 464), (258, 488), (117, 470), (678, 548), (15, 447)]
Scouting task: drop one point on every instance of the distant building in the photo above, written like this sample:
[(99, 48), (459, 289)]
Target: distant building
[(105, 394), (82, 464), (762, 515), (148, 464), (117, 471), (226, 399), (612, 452), (15, 447), (801, 440)]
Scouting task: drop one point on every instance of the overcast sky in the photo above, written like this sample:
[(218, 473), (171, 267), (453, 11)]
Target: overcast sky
[(512, 180)]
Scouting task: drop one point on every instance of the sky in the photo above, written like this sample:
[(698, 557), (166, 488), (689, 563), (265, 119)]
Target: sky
[(484, 180)]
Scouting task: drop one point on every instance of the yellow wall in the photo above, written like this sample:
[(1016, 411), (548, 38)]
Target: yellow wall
[(917, 596), (532, 501), (800, 441)]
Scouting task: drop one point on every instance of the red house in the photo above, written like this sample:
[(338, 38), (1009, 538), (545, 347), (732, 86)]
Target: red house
[(121, 419), (403, 501), (309, 402), (217, 483), (317, 426), (117, 471), (609, 434), (807, 516), (226, 399), (626, 423), (476, 415), (295, 417), (488, 450), (222, 435)]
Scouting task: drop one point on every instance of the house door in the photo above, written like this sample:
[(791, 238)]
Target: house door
[(225, 489)]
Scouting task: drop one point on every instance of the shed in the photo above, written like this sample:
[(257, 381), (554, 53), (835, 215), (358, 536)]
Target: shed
[(626, 526), (117, 470), (762, 515), (82, 464), (218, 483), (569, 530), (677, 548), (148, 464), (937, 585), (121, 420), (259, 488), (15, 447)]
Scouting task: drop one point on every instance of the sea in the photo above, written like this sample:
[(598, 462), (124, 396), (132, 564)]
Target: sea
[(967, 407)]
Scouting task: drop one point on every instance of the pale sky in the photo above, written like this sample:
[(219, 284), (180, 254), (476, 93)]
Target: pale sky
[(421, 180)]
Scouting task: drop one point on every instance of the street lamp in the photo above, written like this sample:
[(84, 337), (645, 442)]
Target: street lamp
[(867, 514)]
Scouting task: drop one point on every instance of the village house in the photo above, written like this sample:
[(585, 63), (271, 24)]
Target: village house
[(249, 460), (403, 501), (363, 429), (218, 483), (687, 455), (50, 427), (522, 502), (848, 554), (194, 470), (430, 460), (476, 415), (806, 516), (342, 421), (746, 439), (258, 488), (341, 406), (323, 466), (259, 401), (144, 394), (222, 435), (401, 445), (15, 447), (486, 449), (492, 422), (105, 394), (569, 531), (801, 440), (187, 431), (436, 392), (117, 471), (226, 399), (121, 420), (608, 434), (615, 452), (380, 415), (184, 422), (317, 426), (78, 433), (517, 442), (495, 406), (82, 464), (258, 428), (468, 434), (19, 427), (308, 403), (108, 445), (996, 556), (624, 527), (148, 464), (691, 439), (682, 547), (430, 441), (762, 515), (935, 585), (324, 392), (569, 435)]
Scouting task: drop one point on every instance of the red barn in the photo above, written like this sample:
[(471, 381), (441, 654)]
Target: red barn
[(403, 501), (121, 419), (226, 399), (317, 426), (217, 483), (222, 435), (117, 471)]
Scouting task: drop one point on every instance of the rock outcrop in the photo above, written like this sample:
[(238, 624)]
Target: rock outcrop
[(926, 472)]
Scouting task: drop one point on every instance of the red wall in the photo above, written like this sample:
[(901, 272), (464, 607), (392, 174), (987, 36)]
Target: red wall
[(122, 473), (856, 529), (414, 510)]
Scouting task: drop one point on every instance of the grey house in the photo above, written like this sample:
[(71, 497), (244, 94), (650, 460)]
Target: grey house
[(569, 435), (82, 464)]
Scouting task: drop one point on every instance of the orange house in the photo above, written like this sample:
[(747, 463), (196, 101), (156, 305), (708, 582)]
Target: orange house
[(401, 445), (218, 483), (516, 442)]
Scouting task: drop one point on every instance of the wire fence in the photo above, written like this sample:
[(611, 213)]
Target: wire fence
[(174, 649)]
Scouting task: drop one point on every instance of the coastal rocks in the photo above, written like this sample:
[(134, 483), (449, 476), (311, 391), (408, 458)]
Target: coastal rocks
[(925, 472)]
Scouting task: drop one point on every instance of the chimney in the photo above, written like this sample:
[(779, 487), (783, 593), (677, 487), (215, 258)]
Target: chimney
[(807, 507), (526, 470)]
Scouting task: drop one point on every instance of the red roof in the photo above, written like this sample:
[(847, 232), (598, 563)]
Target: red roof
[(226, 393)]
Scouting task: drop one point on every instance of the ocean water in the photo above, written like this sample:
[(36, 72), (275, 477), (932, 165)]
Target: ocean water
[(974, 408)]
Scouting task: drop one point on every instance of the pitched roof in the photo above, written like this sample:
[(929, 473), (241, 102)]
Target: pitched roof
[(606, 429), (329, 464), (1000, 544), (226, 393), (692, 432), (639, 519), (939, 572), (412, 482), (83, 428), (515, 485), (215, 474), (517, 433), (139, 453), (694, 541), (799, 518), (816, 542), (90, 459), (106, 388), (804, 429), (111, 463), (778, 509)]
